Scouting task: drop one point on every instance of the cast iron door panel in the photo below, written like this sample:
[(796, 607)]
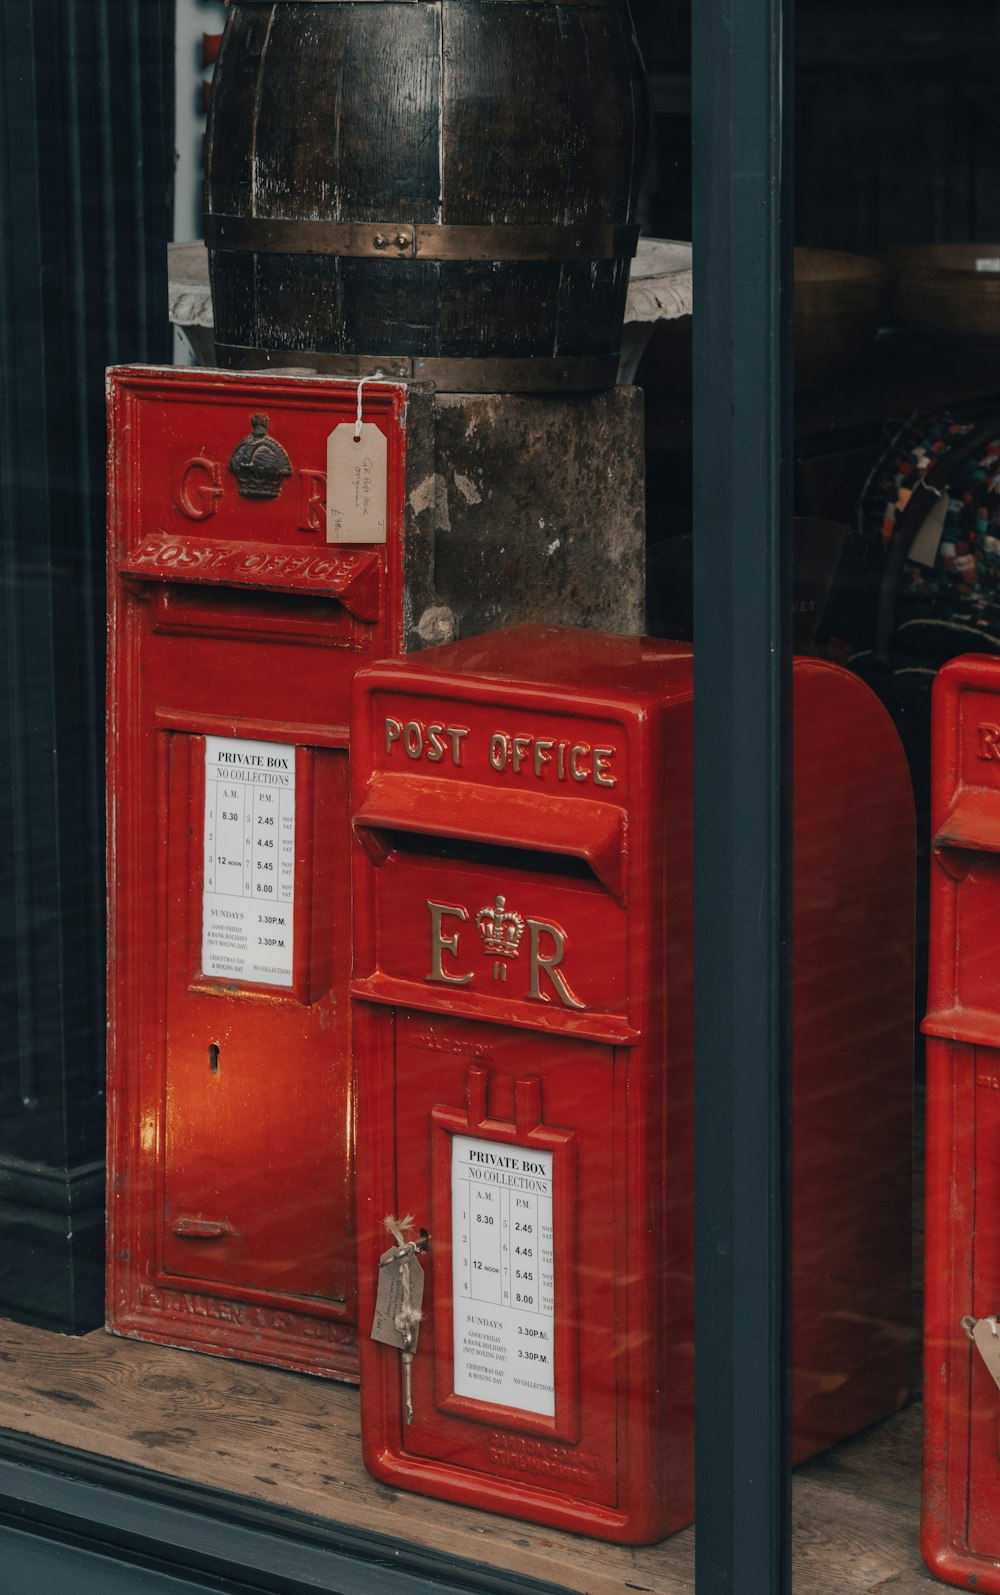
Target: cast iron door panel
[(256, 1118), (522, 1254)]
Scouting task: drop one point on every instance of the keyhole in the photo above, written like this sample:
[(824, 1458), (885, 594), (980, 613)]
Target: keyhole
[(213, 1057)]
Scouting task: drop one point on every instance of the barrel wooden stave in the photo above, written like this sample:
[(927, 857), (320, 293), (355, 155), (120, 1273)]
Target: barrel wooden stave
[(359, 127), (368, 146), (228, 149), (460, 307), (544, 157), (403, 112), (591, 310)]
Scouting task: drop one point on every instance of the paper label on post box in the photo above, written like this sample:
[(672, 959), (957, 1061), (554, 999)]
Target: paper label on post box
[(503, 1284), (249, 891), (357, 484)]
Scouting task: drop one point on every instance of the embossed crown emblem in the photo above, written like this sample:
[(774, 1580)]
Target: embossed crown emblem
[(259, 463), (501, 930)]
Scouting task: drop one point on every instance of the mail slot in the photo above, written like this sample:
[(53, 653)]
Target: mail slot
[(522, 807), (960, 1508), (255, 559)]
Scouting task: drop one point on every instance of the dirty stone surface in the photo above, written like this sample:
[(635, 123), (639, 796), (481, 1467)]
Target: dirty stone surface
[(524, 507)]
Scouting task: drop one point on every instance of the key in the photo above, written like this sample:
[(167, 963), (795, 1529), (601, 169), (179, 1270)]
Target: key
[(397, 1306), (408, 1385)]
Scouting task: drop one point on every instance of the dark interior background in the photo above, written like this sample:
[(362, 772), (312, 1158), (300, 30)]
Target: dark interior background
[(897, 121)]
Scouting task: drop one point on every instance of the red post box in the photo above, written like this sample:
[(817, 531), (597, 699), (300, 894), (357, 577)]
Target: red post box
[(239, 614), (960, 1509), (523, 984)]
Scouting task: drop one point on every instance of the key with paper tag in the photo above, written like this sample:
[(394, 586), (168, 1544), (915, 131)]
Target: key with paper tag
[(398, 1301)]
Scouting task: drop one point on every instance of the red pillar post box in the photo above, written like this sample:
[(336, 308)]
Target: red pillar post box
[(237, 623), (960, 1508), (523, 907)]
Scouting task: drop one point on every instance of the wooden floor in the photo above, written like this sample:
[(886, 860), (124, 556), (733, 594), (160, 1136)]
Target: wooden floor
[(294, 1441)]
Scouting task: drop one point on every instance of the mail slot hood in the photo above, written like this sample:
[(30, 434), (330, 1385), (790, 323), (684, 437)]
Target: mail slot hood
[(533, 821)]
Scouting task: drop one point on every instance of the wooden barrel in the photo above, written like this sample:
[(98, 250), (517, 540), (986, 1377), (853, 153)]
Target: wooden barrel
[(430, 188)]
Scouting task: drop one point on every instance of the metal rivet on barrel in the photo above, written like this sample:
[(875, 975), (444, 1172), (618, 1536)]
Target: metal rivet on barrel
[(380, 240), (402, 241)]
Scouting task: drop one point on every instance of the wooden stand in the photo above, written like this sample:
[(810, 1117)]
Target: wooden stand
[(287, 1445)]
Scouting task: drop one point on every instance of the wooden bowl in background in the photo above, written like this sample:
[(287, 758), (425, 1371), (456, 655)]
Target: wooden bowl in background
[(943, 292), (840, 302)]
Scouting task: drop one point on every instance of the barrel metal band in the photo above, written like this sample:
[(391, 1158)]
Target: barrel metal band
[(422, 240), (524, 375)]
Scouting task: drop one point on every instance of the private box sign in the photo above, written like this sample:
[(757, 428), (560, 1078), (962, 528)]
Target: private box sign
[(257, 552), (523, 985)]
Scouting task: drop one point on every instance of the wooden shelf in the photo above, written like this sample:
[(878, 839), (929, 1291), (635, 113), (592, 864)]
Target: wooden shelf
[(294, 1442)]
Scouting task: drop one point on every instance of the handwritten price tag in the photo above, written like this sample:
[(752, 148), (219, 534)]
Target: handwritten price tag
[(357, 481)]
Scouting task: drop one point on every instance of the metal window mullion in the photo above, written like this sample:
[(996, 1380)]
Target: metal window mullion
[(742, 403)]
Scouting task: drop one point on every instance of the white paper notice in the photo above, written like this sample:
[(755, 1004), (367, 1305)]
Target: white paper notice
[(503, 1280), (249, 895)]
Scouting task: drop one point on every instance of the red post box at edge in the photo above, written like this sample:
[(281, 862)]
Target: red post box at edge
[(960, 1506), (522, 807), (236, 625)]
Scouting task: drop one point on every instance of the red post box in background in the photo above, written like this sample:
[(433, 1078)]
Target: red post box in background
[(236, 625), (523, 982), (960, 1509)]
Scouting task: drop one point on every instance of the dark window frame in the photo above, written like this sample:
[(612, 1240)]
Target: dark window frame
[(137, 1531)]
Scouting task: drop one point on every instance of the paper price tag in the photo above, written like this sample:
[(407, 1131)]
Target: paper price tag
[(987, 263), (391, 1299), (357, 484), (986, 1335)]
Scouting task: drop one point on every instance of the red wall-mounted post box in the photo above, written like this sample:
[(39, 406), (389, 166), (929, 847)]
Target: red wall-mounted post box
[(523, 981), (236, 626), (960, 1509)]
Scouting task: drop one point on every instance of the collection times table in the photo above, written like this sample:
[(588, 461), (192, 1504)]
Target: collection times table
[(503, 1278), (249, 884)]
